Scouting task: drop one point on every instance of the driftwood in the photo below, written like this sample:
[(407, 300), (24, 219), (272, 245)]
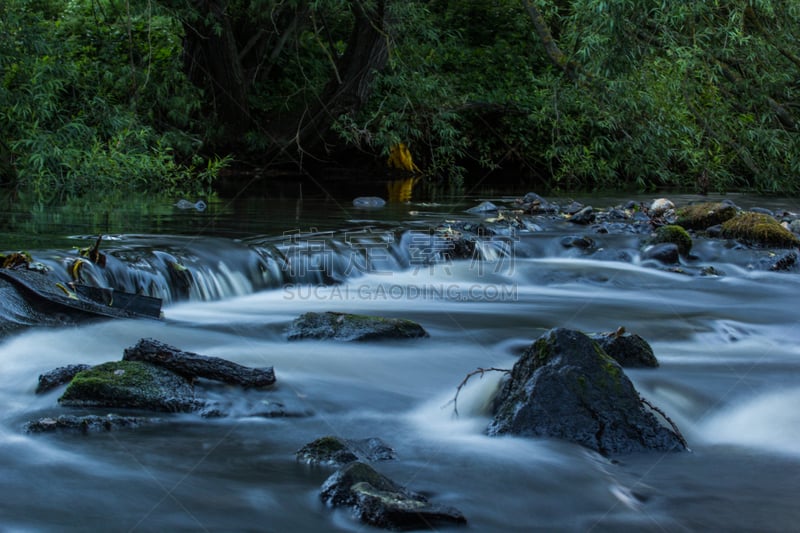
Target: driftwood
[(192, 365), (478, 371)]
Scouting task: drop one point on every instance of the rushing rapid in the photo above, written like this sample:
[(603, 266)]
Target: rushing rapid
[(727, 345)]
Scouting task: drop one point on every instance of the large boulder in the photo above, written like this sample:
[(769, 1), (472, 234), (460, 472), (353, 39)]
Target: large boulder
[(130, 384), (350, 327), (565, 386), (377, 500)]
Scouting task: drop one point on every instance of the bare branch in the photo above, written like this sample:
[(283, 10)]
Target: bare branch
[(481, 371)]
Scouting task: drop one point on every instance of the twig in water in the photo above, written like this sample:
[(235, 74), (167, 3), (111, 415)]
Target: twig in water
[(480, 371), (668, 419)]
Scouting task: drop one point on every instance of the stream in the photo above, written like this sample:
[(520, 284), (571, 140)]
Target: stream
[(729, 376)]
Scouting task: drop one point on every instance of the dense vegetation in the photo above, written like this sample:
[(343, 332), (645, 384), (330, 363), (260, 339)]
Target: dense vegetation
[(580, 94)]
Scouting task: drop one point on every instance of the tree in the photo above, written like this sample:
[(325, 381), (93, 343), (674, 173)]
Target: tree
[(279, 74)]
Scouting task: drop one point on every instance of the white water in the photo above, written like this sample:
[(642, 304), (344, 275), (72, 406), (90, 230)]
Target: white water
[(730, 361)]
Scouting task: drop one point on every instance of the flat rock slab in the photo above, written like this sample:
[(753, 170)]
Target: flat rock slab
[(377, 500), (86, 424), (351, 327), (565, 386)]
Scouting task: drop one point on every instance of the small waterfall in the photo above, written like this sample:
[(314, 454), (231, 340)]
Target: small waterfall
[(179, 269)]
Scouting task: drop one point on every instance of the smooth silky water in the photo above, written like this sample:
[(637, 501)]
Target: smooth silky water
[(729, 377)]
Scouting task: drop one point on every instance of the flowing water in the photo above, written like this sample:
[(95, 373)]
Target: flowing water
[(727, 344)]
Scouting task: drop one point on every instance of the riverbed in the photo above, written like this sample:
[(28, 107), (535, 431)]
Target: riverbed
[(728, 346)]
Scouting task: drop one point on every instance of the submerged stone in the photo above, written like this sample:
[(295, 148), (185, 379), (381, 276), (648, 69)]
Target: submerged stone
[(351, 327), (369, 202), (86, 424), (378, 501), (665, 252), (565, 386), (332, 450)]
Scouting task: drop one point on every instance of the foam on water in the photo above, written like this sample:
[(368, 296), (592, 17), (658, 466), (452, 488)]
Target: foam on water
[(770, 421)]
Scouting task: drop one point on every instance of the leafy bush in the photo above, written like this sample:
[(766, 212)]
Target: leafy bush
[(92, 97)]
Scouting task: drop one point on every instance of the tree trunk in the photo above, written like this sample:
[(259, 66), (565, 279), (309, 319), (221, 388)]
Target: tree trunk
[(557, 57), (212, 62), (350, 85), (192, 365)]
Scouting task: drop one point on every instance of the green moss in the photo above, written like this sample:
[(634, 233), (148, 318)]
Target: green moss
[(676, 235), (611, 367), (704, 215), (541, 350), (127, 374), (130, 384), (759, 229)]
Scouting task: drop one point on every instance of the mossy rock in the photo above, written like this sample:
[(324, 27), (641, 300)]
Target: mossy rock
[(704, 215), (130, 384), (673, 234), (758, 229), (351, 327), (566, 386)]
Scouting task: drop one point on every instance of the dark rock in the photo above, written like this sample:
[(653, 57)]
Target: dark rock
[(379, 501), (785, 263), (714, 231), (533, 203), (565, 386), (711, 271), (191, 365), (332, 450), (762, 210), (130, 384), (350, 327), (58, 376), (585, 216), (573, 207), (666, 253), (617, 214), (577, 241), (627, 349), (87, 424)]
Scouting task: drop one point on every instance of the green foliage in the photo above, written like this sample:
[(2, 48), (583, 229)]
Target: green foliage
[(91, 96), (692, 95)]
